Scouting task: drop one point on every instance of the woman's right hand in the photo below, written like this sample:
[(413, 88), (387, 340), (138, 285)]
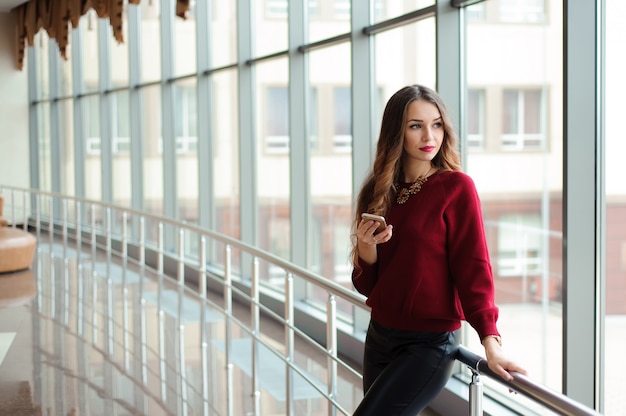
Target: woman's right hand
[(367, 239)]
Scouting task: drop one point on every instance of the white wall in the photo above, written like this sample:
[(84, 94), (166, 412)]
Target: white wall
[(14, 150)]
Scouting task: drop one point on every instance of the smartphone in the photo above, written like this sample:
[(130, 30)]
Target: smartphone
[(382, 224)]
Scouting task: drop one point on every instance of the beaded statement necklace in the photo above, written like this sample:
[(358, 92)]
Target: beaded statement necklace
[(412, 189)]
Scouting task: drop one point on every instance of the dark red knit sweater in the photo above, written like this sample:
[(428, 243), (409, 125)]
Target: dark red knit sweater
[(435, 270)]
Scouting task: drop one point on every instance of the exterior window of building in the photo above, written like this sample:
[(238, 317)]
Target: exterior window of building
[(389, 9), (342, 138), (121, 147), (522, 11), (522, 213), (186, 123), (279, 9), (312, 122), (276, 8), (121, 125), (92, 124), (475, 12), (342, 9), (118, 61), (42, 71), (278, 236), (615, 212), (330, 180), (150, 43), (153, 177), (519, 245), (271, 168), (67, 166), (379, 10), (476, 119), (522, 125), (343, 268), (277, 120), (89, 53), (93, 169)]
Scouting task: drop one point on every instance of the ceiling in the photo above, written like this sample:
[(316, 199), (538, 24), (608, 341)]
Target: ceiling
[(7, 5)]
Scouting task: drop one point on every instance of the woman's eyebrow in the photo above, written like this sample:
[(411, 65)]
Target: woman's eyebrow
[(421, 121)]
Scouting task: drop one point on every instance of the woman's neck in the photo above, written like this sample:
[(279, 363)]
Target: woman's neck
[(416, 172)]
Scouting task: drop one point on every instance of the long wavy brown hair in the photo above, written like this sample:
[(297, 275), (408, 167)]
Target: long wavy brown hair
[(379, 188)]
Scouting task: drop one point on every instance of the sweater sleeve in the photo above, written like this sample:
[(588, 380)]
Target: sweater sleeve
[(364, 278), (469, 257)]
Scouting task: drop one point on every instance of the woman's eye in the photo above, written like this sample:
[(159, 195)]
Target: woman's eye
[(437, 125), (415, 126)]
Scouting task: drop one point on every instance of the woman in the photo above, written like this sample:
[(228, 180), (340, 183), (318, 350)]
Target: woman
[(429, 269)]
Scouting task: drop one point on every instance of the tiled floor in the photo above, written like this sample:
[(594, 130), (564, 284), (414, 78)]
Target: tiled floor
[(61, 356)]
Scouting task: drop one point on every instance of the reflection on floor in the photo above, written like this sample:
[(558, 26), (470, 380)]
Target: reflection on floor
[(80, 336)]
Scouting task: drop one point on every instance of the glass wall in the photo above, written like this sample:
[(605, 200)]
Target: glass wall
[(330, 136), (615, 188), (152, 149), (89, 34), (150, 41), (93, 165), (66, 161), (272, 160), (514, 154), (120, 128), (233, 124), (43, 144), (223, 33), (186, 135)]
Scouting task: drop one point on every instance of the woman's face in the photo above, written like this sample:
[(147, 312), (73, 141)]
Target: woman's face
[(423, 131)]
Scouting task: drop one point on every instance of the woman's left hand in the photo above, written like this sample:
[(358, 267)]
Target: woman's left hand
[(498, 362)]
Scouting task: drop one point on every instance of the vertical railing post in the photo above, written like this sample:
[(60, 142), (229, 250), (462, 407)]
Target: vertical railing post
[(124, 242), (160, 244), (51, 222), (141, 362), (94, 276), (289, 342), (109, 237), (81, 296), (160, 315), (93, 236), (79, 235), (111, 386), (24, 211), (256, 333), (64, 225), (181, 322), (331, 348), (13, 217), (228, 309), (66, 291), (109, 284), (125, 290), (66, 273), (38, 215), (203, 330), (475, 395), (80, 308)]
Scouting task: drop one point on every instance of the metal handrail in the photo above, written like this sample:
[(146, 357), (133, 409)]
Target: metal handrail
[(328, 285), (549, 398), (478, 365)]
